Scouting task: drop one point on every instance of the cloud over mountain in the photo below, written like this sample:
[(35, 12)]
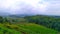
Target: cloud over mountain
[(48, 7)]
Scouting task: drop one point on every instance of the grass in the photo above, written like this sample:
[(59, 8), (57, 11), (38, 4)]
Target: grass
[(25, 28)]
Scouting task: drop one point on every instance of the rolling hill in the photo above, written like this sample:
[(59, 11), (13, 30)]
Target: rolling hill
[(25, 28)]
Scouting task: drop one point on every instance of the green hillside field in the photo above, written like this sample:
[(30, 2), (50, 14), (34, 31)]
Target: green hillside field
[(25, 28)]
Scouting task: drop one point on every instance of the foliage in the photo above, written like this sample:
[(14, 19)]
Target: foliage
[(26, 28), (48, 21)]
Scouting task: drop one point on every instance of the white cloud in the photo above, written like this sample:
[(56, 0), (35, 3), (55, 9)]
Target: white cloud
[(50, 7), (53, 7), (16, 5)]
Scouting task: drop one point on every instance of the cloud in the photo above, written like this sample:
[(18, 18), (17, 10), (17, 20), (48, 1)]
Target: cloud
[(48, 7), (23, 6), (53, 7)]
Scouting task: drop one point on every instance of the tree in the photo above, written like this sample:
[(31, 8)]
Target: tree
[(1, 19)]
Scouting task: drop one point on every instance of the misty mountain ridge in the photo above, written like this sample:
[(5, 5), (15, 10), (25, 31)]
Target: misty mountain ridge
[(4, 14)]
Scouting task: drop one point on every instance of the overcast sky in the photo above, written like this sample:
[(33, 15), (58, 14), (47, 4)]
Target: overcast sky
[(48, 7)]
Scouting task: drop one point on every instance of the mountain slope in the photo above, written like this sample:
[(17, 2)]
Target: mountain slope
[(26, 28)]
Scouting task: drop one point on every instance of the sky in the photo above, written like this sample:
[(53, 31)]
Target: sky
[(45, 7)]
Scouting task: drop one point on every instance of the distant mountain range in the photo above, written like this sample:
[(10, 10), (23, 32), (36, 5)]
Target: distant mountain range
[(4, 14), (20, 15), (13, 15)]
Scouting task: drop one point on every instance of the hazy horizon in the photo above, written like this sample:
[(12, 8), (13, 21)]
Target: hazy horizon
[(44, 7)]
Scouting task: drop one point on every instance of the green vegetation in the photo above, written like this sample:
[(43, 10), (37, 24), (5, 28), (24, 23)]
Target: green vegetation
[(5, 30), (26, 28), (47, 21), (30, 25)]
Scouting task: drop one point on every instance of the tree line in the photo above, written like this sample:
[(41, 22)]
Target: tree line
[(50, 22)]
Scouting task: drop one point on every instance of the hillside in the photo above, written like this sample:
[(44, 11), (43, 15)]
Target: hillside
[(29, 25), (25, 28), (47, 21)]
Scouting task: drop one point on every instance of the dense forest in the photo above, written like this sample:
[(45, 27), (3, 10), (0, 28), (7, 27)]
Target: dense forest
[(47, 22)]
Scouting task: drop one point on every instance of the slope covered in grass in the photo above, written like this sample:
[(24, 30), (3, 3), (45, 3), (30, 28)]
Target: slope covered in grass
[(26, 28), (5, 30)]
